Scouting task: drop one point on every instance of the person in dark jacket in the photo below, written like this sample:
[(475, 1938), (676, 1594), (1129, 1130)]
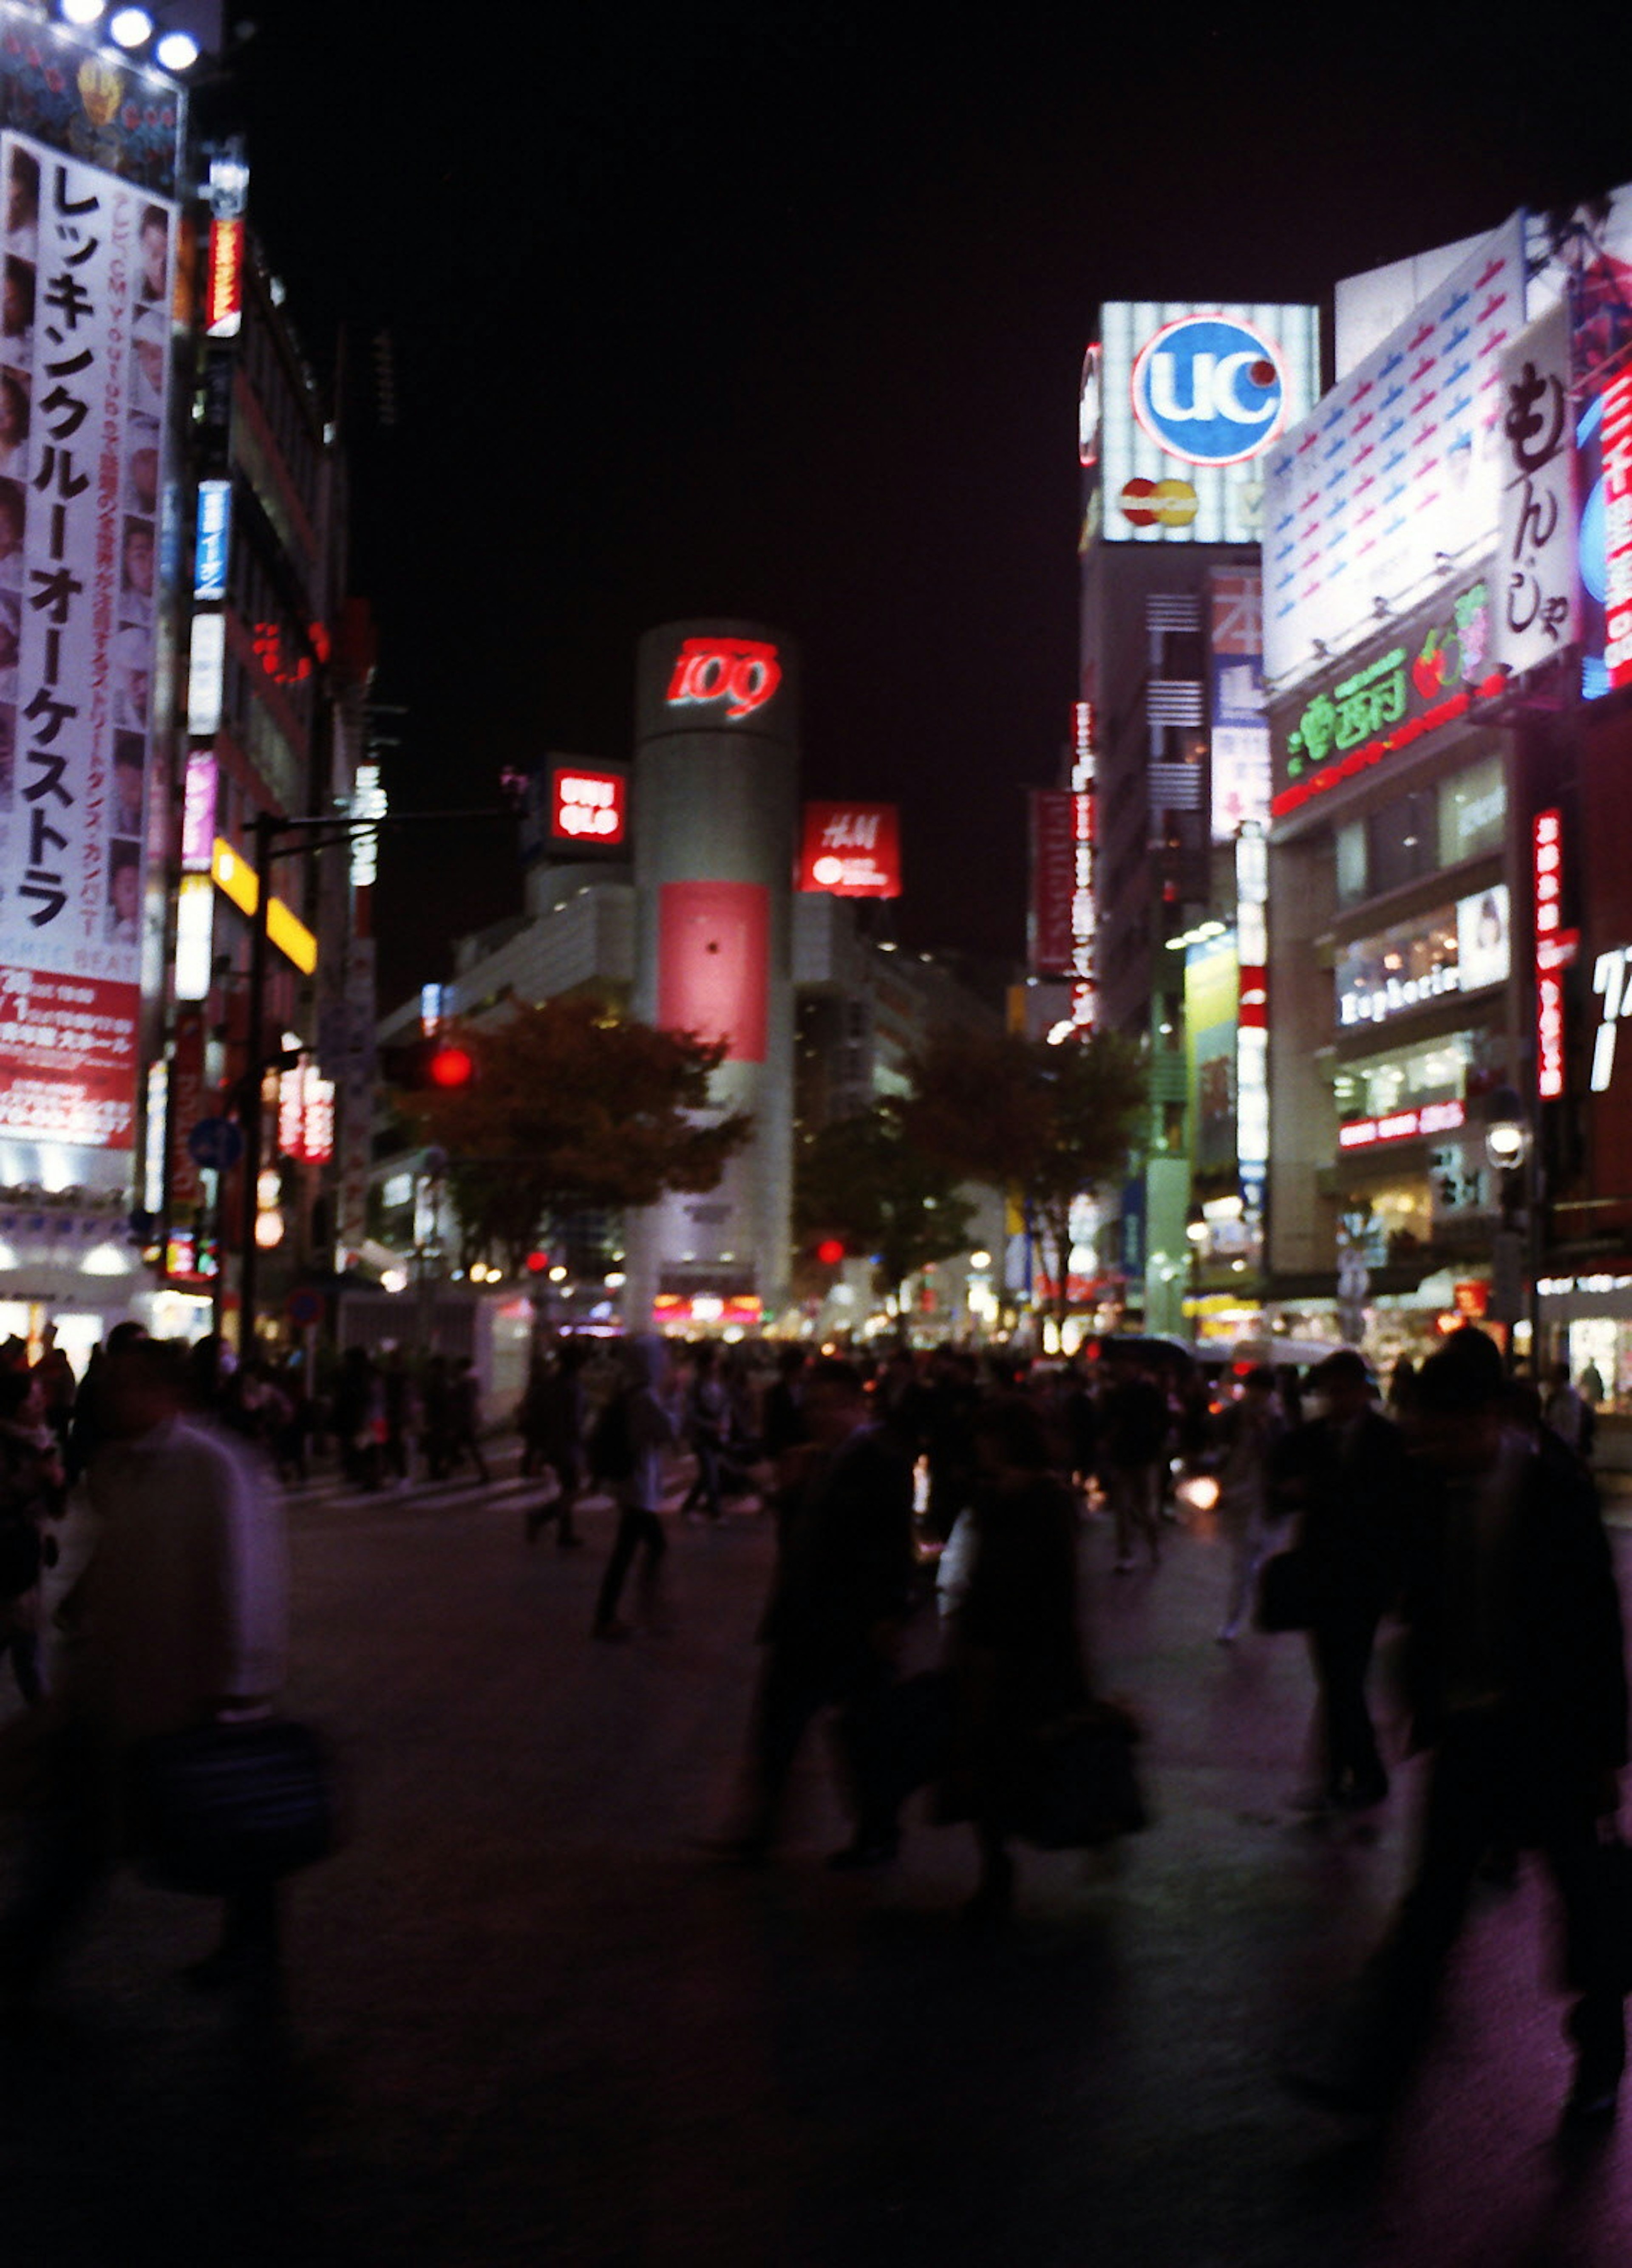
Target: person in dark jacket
[(1344, 1473), (1017, 1655), (842, 1584), (1516, 1674)]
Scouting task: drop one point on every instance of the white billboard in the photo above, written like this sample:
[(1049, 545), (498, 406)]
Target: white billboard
[(83, 368), (1192, 399), (1395, 477)]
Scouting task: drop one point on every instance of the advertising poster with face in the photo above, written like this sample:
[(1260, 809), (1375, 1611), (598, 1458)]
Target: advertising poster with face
[(85, 295)]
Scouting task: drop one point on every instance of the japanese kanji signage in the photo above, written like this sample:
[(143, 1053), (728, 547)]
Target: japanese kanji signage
[(1383, 698), (851, 850), (1617, 446), (83, 363), (1535, 576)]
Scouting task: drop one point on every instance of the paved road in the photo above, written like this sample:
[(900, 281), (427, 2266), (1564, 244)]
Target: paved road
[(534, 2023)]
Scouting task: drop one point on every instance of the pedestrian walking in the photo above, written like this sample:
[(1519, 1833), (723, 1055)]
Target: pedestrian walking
[(707, 1420), (631, 1446), (32, 1496), (178, 1621), (839, 1596), (1016, 1653), (557, 1413), (1516, 1674), (1249, 1431), (1133, 1446), (1343, 1472)]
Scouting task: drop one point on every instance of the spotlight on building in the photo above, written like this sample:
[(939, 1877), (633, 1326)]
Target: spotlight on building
[(130, 28), (177, 51)]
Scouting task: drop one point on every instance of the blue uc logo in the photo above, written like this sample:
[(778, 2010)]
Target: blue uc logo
[(1209, 390)]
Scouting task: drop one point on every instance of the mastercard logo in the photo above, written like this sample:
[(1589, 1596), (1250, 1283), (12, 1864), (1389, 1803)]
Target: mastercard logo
[(1158, 504)]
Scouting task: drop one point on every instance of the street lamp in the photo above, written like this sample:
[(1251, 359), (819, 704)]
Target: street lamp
[(1509, 1147), (1196, 1231)]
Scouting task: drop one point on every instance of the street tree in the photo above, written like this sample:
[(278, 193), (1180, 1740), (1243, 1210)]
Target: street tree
[(1053, 1123), (569, 1108), (865, 1181)]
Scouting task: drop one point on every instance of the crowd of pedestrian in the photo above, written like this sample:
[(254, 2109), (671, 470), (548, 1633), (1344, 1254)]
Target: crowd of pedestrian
[(903, 1488)]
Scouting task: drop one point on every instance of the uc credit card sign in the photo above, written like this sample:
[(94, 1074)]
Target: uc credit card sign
[(1193, 399)]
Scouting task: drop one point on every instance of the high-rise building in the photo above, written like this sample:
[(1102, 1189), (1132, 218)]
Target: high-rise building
[(1169, 763)]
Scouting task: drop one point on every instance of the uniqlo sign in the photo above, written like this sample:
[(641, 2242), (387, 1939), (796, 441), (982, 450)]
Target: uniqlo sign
[(588, 808), (851, 850)]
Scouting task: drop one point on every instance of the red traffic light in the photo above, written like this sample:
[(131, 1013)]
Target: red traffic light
[(537, 1263), (451, 1066), (830, 1251)]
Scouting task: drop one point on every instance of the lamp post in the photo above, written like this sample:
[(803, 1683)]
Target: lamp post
[(1196, 1231), (1511, 1149)]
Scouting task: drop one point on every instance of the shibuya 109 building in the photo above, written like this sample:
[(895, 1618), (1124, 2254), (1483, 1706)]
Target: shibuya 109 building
[(716, 814)]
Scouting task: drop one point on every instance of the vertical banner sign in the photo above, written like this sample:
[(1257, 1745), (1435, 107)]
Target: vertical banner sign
[(1084, 908), (1617, 446), (1252, 1027), (1054, 873), (81, 421), (1537, 611), (1240, 735), (1555, 950)]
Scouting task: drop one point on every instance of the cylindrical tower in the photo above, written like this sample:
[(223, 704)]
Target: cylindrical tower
[(715, 808)]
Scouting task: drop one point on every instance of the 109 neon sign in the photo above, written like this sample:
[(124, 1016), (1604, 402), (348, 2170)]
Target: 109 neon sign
[(744, 672)]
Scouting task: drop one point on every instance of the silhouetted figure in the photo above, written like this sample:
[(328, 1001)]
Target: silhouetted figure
[(559, 1411), (1343, 1472), (843, 1585), (1016, 1655), (1517, 1682), (647, 1434)]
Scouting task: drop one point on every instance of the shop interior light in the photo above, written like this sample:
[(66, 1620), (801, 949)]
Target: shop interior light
[(131, 27), (82, 11), (177, 51)]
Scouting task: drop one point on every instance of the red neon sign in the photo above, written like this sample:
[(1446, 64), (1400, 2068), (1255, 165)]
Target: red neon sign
[(744, 672), (1402, 1125), (1617, 445), (851, 850), (587, 807), (224, 284), (1555, 949)]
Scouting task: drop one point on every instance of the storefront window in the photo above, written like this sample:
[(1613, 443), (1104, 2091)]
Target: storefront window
[(1403, 841), (1351, 862), (1434, 1073), (1473, 812), (1402, 968)]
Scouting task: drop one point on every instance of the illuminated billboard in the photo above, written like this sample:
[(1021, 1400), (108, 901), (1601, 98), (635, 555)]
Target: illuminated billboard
[(1240, 729), (83, 419), (588, 808), (851, 850), (1409, 681), (1191, 401), (1397, 474)]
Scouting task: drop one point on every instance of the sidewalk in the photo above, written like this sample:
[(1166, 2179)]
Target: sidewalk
[(534, 2023)]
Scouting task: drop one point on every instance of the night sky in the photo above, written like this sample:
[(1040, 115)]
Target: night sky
[(780, 313)]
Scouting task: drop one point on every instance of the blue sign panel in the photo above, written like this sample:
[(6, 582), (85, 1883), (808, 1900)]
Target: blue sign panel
[(215, 530), (1210, 389)]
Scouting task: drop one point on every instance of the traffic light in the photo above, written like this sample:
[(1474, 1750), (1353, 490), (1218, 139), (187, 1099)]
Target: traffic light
[(439, 1066)]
